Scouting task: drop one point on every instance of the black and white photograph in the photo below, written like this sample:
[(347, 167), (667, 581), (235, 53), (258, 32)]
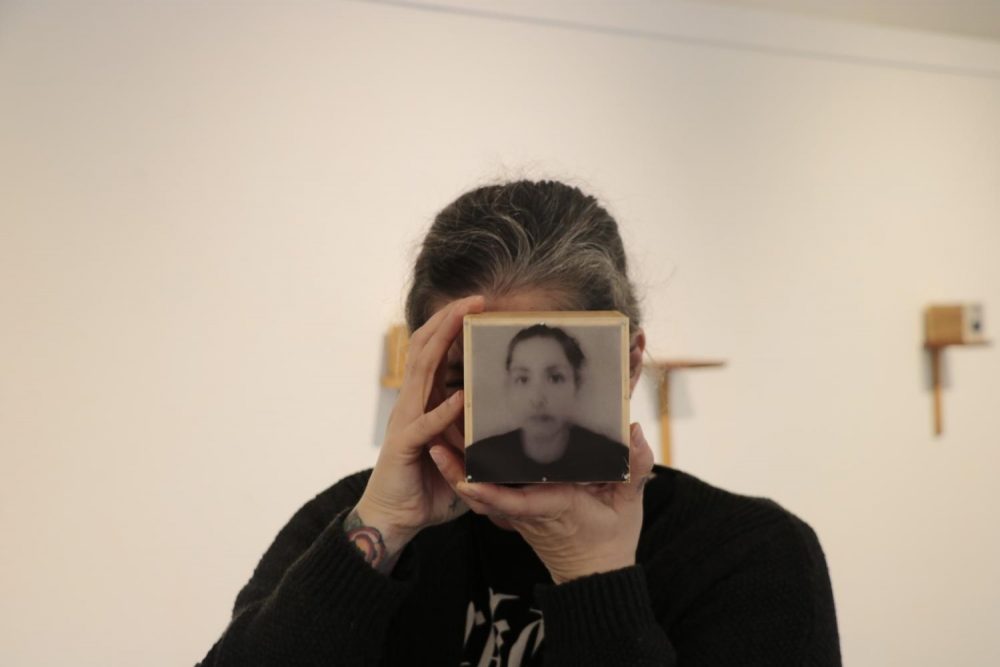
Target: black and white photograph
[(546, 397)]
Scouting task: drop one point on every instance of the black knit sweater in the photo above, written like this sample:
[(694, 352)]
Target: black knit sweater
[(721, 579)]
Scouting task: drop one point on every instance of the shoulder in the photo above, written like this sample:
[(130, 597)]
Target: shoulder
[(340, 495), (317, 513), (496, 442), (736, 570), (300, 532), (495, 457), (583, 435), (682, 503), (497, 439), (714, 534)]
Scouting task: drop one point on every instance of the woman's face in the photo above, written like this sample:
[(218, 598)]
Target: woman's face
[(541, 387)]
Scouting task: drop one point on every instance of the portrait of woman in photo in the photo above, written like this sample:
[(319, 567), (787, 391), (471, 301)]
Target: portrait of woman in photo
[(544, 367)]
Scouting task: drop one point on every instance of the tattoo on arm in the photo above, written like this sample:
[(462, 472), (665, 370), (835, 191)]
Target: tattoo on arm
[(368, 540)]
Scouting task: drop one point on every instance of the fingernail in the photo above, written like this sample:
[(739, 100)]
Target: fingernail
[(438, 456), (456, 397)]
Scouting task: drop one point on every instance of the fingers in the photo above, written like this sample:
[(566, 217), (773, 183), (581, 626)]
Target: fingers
[(428, 357), (537, 502), (431, 424), (454, 437), (640, 453), (421, 335), (640, 460), (451, 435), (428, 348), (449, 462), (451, 465)]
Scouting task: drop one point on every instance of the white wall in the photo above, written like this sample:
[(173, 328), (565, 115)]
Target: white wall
[(207, 213)]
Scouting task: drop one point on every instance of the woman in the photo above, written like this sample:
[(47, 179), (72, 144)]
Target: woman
[(543, 380), (390, 566)]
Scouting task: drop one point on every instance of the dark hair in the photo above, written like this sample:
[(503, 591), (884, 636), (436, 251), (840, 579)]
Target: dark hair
[(524, 234), (570, 345)]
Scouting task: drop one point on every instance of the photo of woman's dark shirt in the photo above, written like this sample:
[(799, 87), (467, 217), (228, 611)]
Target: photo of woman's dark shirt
[(589, 457)]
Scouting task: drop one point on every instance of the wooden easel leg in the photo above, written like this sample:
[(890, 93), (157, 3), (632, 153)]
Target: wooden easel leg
[(936, 381), (665, 417)]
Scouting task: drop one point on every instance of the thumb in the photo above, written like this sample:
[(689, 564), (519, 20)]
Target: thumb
[(449, 463), (640, 460)]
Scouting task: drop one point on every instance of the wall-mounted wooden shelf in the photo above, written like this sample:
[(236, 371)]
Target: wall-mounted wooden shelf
[(665, 367), (397, 341), (936, 351)]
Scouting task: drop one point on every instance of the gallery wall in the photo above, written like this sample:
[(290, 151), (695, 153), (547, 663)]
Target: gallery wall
[(209, 210)]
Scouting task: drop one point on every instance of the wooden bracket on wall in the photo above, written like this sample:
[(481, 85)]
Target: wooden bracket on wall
[(937, 352), (665, 368), (397, 342), (949, 325)]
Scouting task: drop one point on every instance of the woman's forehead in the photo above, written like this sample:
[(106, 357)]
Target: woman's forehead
[(539, 349)]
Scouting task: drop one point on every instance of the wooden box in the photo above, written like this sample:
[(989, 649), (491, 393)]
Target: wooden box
[(546, 397), (956, 324)]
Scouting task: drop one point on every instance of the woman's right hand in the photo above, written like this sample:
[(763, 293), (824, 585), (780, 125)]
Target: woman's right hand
[(406, 492)]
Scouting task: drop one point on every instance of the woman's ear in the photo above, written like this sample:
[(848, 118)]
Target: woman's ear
[(636, 349)]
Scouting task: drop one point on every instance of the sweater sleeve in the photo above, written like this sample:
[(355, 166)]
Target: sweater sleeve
[(312, 599), (774, 608)]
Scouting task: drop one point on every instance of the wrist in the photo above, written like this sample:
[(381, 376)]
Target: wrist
[(566, 573), (393, 535)]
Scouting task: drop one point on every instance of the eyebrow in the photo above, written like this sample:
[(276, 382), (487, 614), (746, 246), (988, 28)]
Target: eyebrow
[(551, 367)]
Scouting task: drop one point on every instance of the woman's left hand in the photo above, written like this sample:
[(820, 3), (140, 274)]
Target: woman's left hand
[(575, 529)]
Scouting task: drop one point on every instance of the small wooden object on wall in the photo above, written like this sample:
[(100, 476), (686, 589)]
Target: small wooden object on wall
[(665, 368), (397, 342), (944, 326)]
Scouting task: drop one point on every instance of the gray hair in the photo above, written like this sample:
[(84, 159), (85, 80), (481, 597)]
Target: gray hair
[(499, 239)]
